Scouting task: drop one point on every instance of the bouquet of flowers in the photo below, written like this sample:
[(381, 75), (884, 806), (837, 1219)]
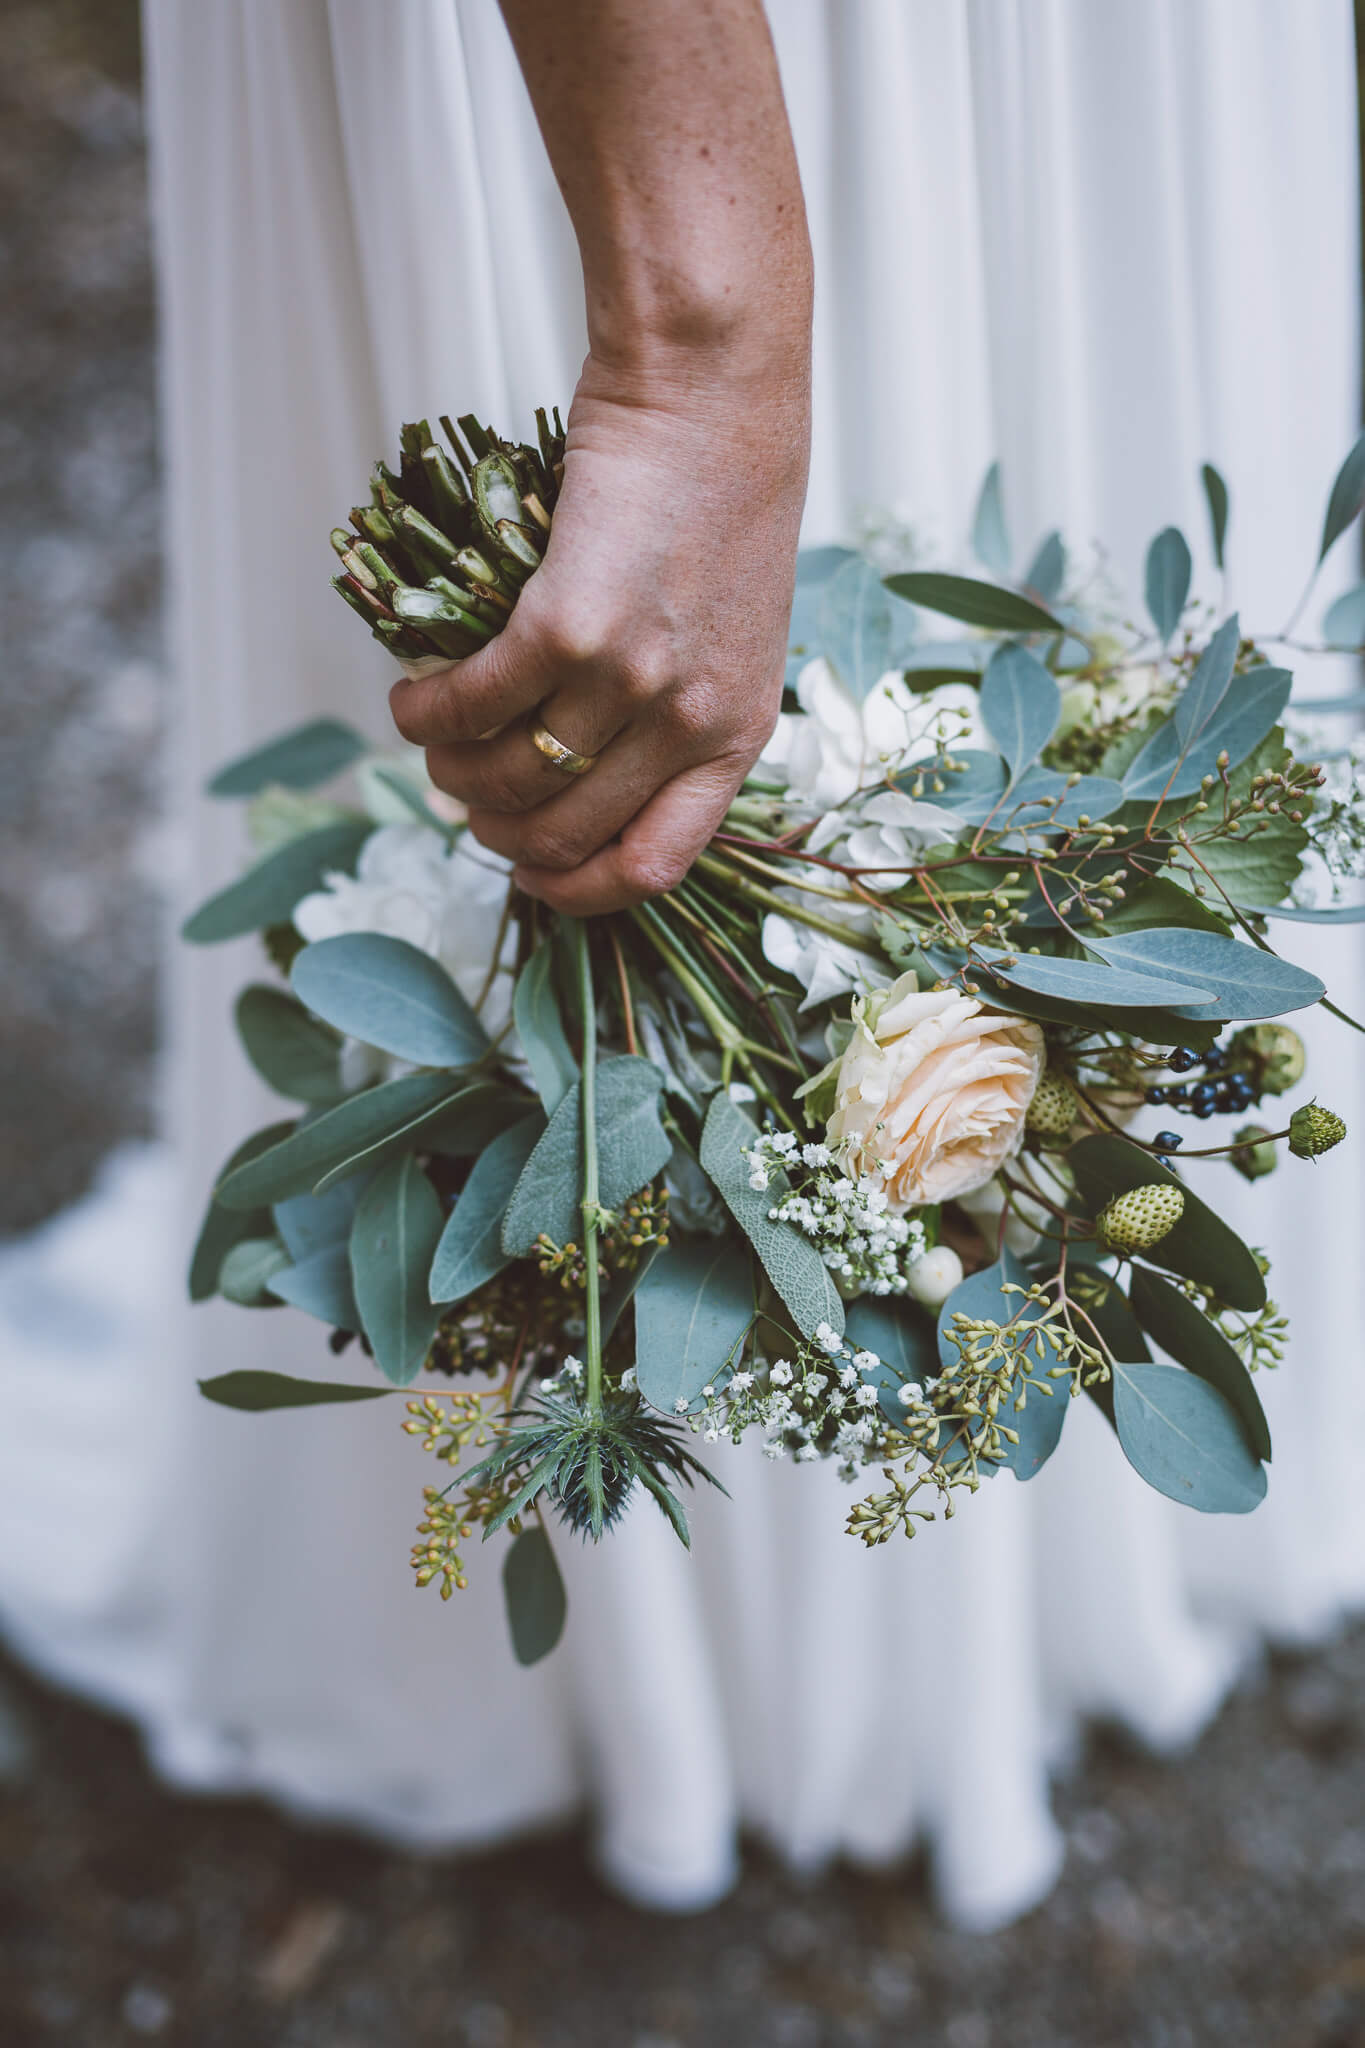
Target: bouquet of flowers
[(839, 1143)]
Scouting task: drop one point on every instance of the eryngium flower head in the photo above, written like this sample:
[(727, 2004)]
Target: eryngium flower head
[(1314, 1129)]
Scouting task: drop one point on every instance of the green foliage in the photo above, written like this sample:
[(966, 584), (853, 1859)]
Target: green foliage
[(1046, 571), (397, 1225), (470, 1248), (1169, 568), (1182, 1436), (320, 1285), (223, 1226), (1020, 705), (790, 1260), (632, 1148), (693, 1309), (976, 604), (361, 1131), (901, 1334), (1172, 764), (1186, 1335), (301, 759), (247, 1270), (256, 1391), (535, 1012), (534, 1594), (1347, 497), (392, 995), (266, 894), (1216, 495), (292, 1052), (1240, 980), (863, 628), (1200, 1246), (1344, 623), (990, 535)]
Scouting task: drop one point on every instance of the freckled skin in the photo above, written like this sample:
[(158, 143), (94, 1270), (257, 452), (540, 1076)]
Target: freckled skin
[(654, 634)]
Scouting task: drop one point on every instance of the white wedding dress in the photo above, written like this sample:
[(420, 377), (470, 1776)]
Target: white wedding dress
[(1102, 242)]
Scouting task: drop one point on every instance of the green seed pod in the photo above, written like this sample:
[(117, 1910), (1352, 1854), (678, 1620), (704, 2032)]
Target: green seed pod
[(1314, 1129), (1275, 1055), (1139, 1219), (1055, 1106), (1255, 1155)]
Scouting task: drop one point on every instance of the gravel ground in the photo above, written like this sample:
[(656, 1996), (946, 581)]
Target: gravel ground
[(1217, 1900)]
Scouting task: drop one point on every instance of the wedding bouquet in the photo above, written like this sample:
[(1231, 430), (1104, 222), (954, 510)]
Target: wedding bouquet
[(843, 1142)]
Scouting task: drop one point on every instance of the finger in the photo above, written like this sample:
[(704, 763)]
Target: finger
[(566, 830), (475, 696), (509, 772), (653, 853)]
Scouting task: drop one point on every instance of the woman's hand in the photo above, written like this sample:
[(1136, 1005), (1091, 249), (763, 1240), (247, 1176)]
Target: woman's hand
[(654, 633), (653, 636)]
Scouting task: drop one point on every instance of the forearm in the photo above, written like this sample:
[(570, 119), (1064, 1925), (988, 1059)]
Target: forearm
[(665, 125)]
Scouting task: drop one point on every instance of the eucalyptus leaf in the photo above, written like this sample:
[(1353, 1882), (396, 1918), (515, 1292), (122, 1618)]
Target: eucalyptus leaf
[(862, 629), (1185, 1334), (1085, 981), (320, 1285), (302, 759), (341, 1140), (1169, 569), (1340, 913), (392, 995), (1199, 1247), (990, 535), (534, 1594), (1039, 1423), (292, 1052), (1020, 706), (256, 1391), (397, 1225), (1183, 1438), (224, 1226), (902, 1335), (478, 1114), (1207, 687), (1347, 497), (1167, 766), (1046, 571), (632, 1147), (1242, 981), (1162, 901), (266, 893), (247, 1270), (315, 1223), (692, 1311), (976, 604), (790, 1260), (1216, 495), (1344, 624), (470, 1249), (535, 1011)]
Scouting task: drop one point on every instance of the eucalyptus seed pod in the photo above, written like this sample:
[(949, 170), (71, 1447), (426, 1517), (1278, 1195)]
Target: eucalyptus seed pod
[(1255, 1155)]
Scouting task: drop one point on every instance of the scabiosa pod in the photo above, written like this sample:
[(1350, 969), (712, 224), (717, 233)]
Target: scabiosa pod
[(1139, 1219), (1313, 1130)]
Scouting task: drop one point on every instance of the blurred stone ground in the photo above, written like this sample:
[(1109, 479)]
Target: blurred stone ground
[(1216, 1900)]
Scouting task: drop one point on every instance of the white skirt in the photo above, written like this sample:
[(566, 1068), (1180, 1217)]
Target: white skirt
[(1100, 242)]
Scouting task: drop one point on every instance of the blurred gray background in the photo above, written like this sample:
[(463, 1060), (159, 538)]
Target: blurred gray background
[(1217, 1899)]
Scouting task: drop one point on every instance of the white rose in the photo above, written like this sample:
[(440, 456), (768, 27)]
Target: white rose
[(835, 745), (445, 900), (932, 1091)]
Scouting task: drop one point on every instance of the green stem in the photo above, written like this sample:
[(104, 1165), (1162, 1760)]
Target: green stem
[(592, 1300)]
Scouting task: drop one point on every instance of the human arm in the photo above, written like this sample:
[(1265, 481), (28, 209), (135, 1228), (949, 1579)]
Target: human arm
[(654, 633)]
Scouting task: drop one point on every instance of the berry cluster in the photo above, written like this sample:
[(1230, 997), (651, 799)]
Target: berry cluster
[(1224, 1089)]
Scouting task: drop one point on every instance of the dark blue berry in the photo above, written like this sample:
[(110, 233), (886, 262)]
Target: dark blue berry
[(1181, 1060), (1155, 1095), (1203, 1110), (1167, 1141)]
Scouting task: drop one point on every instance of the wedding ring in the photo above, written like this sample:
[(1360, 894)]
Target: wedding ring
[(564, 758)]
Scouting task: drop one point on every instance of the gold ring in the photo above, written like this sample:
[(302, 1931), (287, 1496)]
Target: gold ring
[(564, 758)]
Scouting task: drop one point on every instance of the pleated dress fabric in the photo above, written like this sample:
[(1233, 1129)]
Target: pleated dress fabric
[(1100, 242)]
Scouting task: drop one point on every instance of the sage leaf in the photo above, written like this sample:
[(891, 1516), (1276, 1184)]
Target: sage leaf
[(790, 1260), (397, 1224)]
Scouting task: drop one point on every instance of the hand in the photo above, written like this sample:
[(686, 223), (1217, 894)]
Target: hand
[(653, 635)]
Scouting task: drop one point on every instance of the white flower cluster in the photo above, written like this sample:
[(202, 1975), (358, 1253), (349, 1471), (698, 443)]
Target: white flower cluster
[(821, 1404), (849, 1221), (1337, 824)]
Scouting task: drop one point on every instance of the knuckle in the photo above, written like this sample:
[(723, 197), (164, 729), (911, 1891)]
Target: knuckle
[(696, 722), (495, 788), (552, 846), (653, 871)]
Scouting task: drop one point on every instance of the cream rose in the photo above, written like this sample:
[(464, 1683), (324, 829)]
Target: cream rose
[(931, 1092)]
